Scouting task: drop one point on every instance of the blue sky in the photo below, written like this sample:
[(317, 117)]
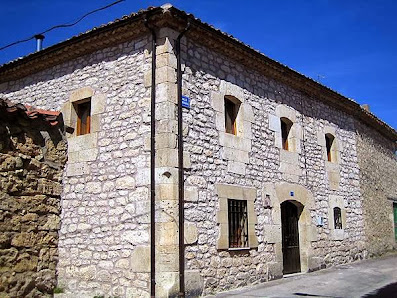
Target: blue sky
[(350, 46)]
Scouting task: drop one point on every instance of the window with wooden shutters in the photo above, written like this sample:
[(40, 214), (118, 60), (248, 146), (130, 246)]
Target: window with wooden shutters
[(231, 111), (83, 110), (238, 223), (337, 218)]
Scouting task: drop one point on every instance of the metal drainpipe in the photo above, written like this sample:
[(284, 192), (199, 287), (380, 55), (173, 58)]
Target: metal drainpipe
[(303, 139), (180, 168), (152, 166)]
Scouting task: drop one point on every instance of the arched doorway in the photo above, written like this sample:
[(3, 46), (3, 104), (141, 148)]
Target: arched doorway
[(290, 213)]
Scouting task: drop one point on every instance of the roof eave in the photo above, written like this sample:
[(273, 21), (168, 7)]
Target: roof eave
[(117, 31)]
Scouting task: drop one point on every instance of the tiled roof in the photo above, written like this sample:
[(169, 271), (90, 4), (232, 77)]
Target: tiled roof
[(64, 50), (52, 117)]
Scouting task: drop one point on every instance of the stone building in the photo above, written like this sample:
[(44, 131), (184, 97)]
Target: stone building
[(280, 174)]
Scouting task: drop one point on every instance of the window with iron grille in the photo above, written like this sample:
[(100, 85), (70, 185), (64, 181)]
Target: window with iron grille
[(238, 223), (337, 218)]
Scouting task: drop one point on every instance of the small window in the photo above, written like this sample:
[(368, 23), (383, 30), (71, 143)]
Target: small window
[(238, 223), (329, 144), (231, 111), (83, 110), (286, 125), (337, 218)]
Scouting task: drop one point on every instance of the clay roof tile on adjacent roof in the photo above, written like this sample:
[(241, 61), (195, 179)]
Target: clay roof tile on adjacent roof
[(52, 117)]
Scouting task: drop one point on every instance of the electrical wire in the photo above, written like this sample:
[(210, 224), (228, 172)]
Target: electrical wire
[(62, 25)]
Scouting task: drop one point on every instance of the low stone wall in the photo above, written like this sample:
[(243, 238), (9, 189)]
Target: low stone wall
[(32, 156)]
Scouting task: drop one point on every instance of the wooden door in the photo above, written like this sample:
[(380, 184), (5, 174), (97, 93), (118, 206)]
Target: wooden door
[(290, 241)]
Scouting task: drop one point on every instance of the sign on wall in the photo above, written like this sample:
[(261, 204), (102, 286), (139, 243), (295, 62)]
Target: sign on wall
[(185, 102)]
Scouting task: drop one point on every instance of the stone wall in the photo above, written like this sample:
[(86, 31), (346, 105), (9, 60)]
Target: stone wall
[(32, 158), (104, 236), (254, 159), (378, 183)]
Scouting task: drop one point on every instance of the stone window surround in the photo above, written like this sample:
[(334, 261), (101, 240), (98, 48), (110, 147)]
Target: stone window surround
[(83, 148), (235, 192), (279, 193), (331, 167), (336, 201), (336, 145), (236, 148), (295, 136), (97, 107), (289, 159)]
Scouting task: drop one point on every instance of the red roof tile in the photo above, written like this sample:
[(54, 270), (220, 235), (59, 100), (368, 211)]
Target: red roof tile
[(52, 117)]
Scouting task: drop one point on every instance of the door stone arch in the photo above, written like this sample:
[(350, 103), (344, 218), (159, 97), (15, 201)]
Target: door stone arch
[(276, 194)]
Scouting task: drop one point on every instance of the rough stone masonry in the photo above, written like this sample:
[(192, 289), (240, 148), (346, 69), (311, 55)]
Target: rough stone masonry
[(32, 158)]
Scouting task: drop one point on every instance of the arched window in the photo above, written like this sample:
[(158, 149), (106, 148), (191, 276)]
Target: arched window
[(286, 125), (330, 146), (232, 106), (337, 218)]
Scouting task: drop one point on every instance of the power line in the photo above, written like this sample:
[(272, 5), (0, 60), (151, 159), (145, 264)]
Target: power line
[(62, 25)]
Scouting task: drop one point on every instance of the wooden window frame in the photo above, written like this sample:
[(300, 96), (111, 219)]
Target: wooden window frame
[(238, 223), (232, 107), (83, 116), (286, 125)]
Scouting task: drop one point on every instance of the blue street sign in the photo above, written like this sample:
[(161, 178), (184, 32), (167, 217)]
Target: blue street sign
[(185, 102)]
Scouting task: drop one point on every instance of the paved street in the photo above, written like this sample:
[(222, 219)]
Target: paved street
[(369, 278)]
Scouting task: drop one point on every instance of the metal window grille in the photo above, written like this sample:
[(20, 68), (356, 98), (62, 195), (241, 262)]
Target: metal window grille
[(338, 218), (238, 223)]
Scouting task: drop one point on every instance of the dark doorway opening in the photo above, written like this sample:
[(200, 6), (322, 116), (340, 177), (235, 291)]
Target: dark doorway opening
[(290, 237)]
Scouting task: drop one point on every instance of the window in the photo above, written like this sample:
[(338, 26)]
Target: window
[(238, 223), (337, 218), (83, 111), (286, 125), (329, 144), (231, 111)]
